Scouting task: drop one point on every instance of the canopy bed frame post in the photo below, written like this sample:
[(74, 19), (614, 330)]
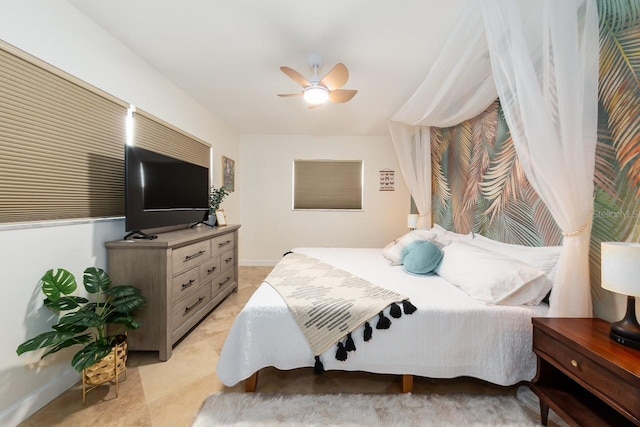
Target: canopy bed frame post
[(407, 383), (251, 383)]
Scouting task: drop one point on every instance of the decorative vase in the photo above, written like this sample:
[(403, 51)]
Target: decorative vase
[(109, 369), (213, 220)]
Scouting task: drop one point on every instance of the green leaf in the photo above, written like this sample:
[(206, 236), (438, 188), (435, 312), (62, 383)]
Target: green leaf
[(123, 319), (89, 319), (46, 339), (96, 279), (122, 291), (129, 303), (82, 339), (60, 282), (65, 303), (90, 355), (75, 329)]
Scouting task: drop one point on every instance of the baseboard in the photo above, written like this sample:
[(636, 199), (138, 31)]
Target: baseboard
[(257, 262), (30, 404), (531, 401)]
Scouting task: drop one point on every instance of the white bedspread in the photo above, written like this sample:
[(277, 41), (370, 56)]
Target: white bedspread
[(451, 335)]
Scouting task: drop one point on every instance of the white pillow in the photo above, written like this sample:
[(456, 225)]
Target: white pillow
[(393, 250), (543, 257), (445, 236), (489, 276)]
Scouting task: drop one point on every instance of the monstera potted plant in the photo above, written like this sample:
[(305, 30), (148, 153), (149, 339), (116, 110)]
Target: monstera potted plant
[(96, 323)]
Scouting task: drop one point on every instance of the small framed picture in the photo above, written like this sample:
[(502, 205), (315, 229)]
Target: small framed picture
[(228, 174), (222, 220)]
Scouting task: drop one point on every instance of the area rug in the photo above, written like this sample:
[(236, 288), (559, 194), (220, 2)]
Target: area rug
[(384, 410)]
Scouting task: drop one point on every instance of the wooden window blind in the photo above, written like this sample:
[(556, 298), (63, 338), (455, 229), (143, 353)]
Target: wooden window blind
[(61, 144), (327, 184), (155, 135)]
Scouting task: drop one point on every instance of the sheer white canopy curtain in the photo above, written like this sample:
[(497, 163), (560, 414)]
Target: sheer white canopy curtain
[(544, 62), (452, 92)]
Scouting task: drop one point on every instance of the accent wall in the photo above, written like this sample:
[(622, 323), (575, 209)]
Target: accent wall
[(479, 184)]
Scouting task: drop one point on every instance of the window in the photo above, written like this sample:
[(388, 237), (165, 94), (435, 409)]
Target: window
[(62, 144), (327, 184)]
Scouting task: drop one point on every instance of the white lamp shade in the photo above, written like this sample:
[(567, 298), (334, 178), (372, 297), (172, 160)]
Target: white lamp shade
[(621, 267), (412, 220)]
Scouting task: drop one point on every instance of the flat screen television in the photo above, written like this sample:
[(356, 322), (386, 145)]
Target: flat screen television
[(162, 191)]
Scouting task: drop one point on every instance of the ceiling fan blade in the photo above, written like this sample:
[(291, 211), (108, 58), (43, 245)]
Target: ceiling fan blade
[(311, 106), (336, 78), (296, 76), (341, 95), (286, 95)]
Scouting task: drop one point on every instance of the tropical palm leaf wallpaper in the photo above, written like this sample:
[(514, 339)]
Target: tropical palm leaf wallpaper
[(479, 184)]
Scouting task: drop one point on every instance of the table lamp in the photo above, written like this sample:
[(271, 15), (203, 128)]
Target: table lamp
[(621, 274), (412, 221)]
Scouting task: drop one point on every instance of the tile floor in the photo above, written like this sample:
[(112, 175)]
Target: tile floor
[(171, 393)]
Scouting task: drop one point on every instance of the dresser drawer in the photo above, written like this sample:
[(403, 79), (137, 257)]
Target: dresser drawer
[(187, 307), (586, 372), (210, 269), (226, 279), (227, 259), (222, 243), (191, 255), (185, 283)]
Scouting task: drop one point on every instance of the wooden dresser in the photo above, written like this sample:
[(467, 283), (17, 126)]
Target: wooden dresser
[(183, 274), (584, 376)]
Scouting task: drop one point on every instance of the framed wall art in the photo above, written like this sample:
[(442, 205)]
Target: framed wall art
[(228, 174), (387, 180)]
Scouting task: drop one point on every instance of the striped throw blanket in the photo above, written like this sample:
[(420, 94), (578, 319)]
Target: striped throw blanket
[(328, 303)]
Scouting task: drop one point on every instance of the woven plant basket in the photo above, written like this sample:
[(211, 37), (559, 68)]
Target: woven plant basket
[(108, 370)]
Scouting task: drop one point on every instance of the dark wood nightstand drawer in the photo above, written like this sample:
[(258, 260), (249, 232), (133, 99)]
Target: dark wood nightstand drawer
[(607, 385), (584, 376)]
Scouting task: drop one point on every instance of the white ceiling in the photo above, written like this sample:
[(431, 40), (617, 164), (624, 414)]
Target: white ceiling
[(226, 54)]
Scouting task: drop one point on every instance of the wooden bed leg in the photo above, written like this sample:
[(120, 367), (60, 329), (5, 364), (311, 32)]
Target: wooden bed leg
[(407, 383), (251, 383)]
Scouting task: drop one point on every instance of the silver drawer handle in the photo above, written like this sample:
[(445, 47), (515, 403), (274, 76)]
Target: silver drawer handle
[(186, 285), (190, 257), (574, 363), (225, 281), (228, 259), (211, 270), (224, 244), (188, 309)]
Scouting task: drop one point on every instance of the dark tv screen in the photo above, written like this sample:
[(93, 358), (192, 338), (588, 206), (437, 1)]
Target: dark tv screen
[(162, 191)]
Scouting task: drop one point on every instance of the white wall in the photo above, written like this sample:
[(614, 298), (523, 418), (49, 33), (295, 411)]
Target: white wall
[(270, 227), (56, 32)]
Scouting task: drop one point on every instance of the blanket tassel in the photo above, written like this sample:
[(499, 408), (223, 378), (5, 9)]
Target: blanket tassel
[(341, 353), (318, 368), (349, 345), (383, 322), (395, 311), (368, 331), (408, 307)]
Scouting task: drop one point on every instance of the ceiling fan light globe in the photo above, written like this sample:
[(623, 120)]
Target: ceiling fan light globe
[(316, 95)]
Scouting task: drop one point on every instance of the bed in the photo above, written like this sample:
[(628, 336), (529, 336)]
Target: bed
[(450, 335)]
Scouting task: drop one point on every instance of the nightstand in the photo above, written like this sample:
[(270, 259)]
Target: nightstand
[(583, 375)]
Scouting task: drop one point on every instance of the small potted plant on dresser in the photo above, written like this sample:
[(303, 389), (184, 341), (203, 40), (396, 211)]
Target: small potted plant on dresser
[(216, 196), (99, 324)]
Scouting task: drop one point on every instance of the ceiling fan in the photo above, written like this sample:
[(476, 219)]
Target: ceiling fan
[(318, 91)]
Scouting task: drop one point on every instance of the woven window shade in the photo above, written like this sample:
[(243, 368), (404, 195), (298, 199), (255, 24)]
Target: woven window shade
[(61, 144), (155, 135), (327, 184)]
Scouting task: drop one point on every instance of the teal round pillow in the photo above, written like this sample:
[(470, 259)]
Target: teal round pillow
[(422, 258), (408, 249)]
